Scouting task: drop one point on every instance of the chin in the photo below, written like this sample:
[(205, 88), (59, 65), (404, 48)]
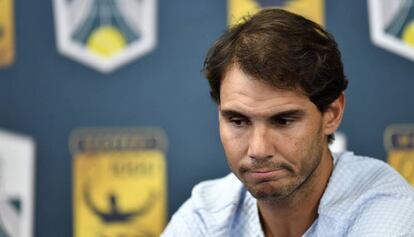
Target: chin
[(265, 193), (269, 192), (269, 197)]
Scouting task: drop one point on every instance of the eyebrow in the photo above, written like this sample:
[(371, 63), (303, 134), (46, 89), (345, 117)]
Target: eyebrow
[(231, 113), (294, 113)]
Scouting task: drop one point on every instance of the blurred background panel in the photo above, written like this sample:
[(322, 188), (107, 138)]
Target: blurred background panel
[(46, 94)]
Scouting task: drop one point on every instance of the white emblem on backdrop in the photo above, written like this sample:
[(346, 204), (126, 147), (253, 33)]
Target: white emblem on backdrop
[(392, 25), (16, 185), (339, 144), (105, 34)]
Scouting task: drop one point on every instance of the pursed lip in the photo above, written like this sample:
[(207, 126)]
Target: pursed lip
[(266, 174)]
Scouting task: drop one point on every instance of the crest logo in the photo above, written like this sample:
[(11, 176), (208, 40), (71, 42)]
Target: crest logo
[(6, 33), (105, 34), (17, 159), (312, 9), (339, 144), (399, 142), (392, 25), (119, 182)]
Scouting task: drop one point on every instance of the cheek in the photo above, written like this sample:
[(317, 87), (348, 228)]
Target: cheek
[(291, 149), (233, 145), (294, 147), (309, 149), (289, 141)]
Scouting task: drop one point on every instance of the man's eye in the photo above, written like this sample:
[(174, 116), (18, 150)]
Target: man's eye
[(283, 121), (238, 121)]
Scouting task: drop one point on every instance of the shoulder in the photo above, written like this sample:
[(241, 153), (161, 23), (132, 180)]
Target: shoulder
[(368, 197), (384, 216), (211, 205), (354, 177), (214, 195)]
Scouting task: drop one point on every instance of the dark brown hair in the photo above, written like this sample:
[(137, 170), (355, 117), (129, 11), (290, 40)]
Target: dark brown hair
[(283, 49)]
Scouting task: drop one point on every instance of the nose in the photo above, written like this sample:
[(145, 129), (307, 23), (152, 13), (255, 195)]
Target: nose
[(260, 144)]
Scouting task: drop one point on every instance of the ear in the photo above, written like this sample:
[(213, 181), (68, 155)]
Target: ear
[(332, 117)]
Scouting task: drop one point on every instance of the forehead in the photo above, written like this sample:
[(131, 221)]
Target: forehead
[(242, 92)]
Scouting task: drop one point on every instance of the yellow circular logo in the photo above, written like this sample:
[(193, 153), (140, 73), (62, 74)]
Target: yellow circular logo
[(106, 41)]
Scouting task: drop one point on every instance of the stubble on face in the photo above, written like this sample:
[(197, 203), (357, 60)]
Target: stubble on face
[(294, 182), (284, 128)]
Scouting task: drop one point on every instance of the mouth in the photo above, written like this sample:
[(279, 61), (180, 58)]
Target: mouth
[(265, 175)]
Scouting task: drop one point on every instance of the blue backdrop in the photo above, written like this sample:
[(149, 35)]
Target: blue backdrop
[(46, 95)]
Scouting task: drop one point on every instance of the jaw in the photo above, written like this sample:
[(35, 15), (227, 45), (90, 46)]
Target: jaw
[(309, 185)]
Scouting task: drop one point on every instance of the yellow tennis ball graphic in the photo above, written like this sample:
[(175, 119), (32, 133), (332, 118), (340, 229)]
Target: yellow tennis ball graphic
[(408, 34), (106, 41)]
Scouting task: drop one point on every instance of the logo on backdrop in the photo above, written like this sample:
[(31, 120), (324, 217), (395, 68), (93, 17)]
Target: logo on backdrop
[(119, 182), (6, 33), (339, 144), (399, 142), (16, 185), (392, 25), (105, 34), (312, 9)]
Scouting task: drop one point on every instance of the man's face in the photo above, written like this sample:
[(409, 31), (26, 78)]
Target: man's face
[(274, 139)]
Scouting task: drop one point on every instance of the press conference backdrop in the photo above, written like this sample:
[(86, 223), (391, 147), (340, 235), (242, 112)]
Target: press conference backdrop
[(45, 95)]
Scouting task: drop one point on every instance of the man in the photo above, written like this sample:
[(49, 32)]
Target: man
[(278, 81)]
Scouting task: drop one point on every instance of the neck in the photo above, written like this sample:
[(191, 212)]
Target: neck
[(295, 214)]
